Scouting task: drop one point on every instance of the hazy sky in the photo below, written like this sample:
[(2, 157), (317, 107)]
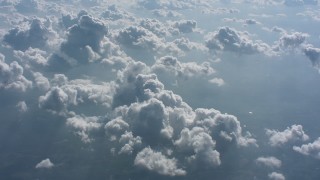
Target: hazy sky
[(160, 89)]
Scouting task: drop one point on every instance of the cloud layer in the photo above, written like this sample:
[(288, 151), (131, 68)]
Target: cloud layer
[(158, 89)]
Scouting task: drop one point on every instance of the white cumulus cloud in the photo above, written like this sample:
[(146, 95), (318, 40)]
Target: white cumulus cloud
[(46, 164), (310, 149), (157, 162), (291, 134)]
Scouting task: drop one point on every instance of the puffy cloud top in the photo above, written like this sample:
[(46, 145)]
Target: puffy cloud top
[(224, 128), (185, 26), (84, 125), (229, 39), (201, 144), (55, 99), (84, 38), (292, 40), (34, 35), (157, 162), (115, 13), (138, 37), (11, 76), (311, 149), (291, 134), (313, 54)]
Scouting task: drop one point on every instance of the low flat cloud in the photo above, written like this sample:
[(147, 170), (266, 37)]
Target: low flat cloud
[(172, 65), (276, 176), (270, 161)]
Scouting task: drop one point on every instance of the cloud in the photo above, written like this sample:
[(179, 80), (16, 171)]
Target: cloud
[(121, 68), (201, 144), (293, 40), (28, 6), (41, 81), (157, 162), (276, 176), (91, 2), (84, 125), (165, 13), (34, 35), (245, 22), (185, 26), (129, 143), (172, 65), (113, 56), (134, 36), (278, 29), (264, 2), (83, 43), (311, 13), (270, 161), (229, 39), (217, 81), (291, 134), (116, 127), (55, 99), (310, 149), (114, 13), (155, 26), (224, 128), (32, 58), (218, 11), (251, 21), (45, 164), (276, 2), (118, 130), (300, 2), (170, 4), (139, 38), (59, 80), (313, 55), (22, 106), (186, 45), (157, 117), (83, 91), (11, 76), (68, 20), (133, 86), (153, 4), (149, 120)]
